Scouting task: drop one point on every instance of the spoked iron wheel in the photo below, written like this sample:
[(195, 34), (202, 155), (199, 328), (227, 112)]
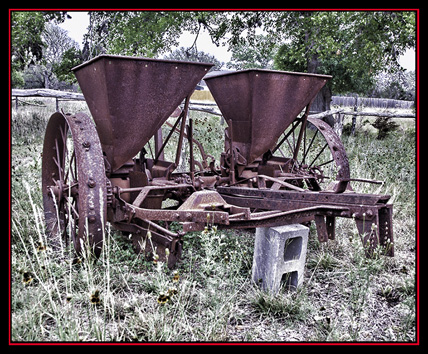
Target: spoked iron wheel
[(74, 183), (319, 154)]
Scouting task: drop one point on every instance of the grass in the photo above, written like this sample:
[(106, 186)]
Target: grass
[(209, 296)]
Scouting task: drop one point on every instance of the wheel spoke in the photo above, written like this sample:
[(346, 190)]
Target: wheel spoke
[(325, 163), (71, 208), (58, 161), (304, 146), (310, 145), (71, 168), (318, 153), (294, 139), (316, 157)]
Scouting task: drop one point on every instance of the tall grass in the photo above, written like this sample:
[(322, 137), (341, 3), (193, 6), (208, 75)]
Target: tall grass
[(210, 296)]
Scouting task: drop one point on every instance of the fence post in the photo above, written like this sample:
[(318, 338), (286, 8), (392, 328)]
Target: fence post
[(354, 117), (338, 123)]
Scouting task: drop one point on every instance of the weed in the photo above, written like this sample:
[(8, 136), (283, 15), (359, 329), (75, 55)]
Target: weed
[(292, 305), (322, 259)]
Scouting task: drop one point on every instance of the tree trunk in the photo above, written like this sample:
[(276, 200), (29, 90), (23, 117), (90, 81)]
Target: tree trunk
[(322, 102)]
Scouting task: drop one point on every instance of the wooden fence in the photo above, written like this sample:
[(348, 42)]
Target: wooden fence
[(58, 95), (372, 102), (211, 107)]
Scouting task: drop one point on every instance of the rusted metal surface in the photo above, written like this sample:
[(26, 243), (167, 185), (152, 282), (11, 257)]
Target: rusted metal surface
[(260, 104), (338, 153), (277, 217), (130, 98), (268, 105), (94, 175), (74, 182), (372, 214), (154, 241)]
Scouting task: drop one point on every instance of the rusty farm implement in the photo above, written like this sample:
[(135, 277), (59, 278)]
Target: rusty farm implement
[(278, 167)]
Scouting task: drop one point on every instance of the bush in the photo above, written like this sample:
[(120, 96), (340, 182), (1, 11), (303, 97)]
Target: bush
[(17, 80), (384, 125)]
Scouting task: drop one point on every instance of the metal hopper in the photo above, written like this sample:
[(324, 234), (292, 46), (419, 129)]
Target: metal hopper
[(260, 104), (130, 98)]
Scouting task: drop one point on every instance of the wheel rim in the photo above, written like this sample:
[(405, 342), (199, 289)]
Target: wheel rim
[(320, 155), (73, 183)]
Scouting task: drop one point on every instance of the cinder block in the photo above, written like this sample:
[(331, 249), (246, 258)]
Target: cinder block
[(280, 256)]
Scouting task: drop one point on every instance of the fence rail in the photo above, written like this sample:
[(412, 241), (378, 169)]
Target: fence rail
[(58, 95), (212, 108)]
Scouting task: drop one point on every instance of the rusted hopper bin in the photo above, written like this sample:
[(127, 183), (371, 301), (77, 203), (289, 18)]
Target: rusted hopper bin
[(130, 98), (260, 104)]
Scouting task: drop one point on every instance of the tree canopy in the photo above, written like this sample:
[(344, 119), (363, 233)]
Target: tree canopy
[(353, 46), (144, 33), (37, 45), (26, 32), (191, 54)]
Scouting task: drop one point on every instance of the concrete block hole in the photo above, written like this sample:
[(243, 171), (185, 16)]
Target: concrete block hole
[(290, 280), (293, 248)]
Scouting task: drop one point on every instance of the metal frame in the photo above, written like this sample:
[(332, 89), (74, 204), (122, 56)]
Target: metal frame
[(252, 188)]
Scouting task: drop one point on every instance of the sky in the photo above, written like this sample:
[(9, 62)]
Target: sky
[(78, 24)]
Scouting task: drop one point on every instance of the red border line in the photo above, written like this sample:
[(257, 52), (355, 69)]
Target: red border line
[(417, 10)]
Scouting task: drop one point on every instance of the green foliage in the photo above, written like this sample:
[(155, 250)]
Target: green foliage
[(71, 58), (26, 34), (398, 86), (258, 55), (191, 54), (144, 33), (353, 46), (26, 30), (37, 47), (16, 78), (385, 125), (350, 45), (209, 131)]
